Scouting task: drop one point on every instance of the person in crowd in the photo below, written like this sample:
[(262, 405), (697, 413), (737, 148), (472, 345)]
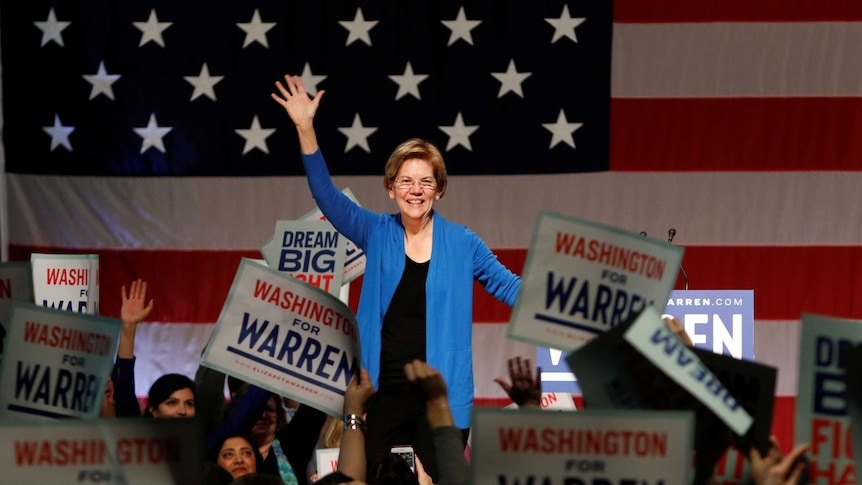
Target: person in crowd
[(237, 455), (386, 468), (416, 300), (448, 446), (330, 437), (351, 455), (286, 448), (120, 398), (389, 469), (257, 479), (171, 396), (290, 407)]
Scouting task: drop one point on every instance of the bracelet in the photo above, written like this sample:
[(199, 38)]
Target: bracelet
[(354, 421)]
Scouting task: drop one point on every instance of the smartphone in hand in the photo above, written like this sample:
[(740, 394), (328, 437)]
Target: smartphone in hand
[(405, 452)]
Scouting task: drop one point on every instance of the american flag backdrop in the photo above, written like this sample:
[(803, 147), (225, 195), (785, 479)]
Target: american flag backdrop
[(144, 132)]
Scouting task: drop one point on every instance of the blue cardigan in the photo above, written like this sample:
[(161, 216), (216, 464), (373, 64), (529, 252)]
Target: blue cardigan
[(458, 257)]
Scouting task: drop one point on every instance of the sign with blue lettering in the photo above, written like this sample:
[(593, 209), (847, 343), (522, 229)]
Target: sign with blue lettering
[(354, 256), (583, 278), (822, 416), (651, 337), (852, 357), (127, 451), (643, 365), (520, 447), (57, 363), (312, 251), (66, 281), (287, 336), (720, 321)]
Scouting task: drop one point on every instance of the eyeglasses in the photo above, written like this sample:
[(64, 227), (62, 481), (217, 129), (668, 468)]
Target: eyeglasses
[(407, 183)]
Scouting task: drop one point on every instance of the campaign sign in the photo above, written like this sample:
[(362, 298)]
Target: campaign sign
[(582, 278), (127, 451), (312, 251), (553, 401), (327, 461), (286, 336), (66, 281), (642, 364), (753, 386), (518, 447), (721, 321), (822, 417), (16, 284), (651, 337), (354, 256), (852, 357), (57, 363)]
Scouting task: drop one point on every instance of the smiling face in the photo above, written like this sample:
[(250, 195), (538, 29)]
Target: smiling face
[(237, 457), (180, 404), (414, 188)]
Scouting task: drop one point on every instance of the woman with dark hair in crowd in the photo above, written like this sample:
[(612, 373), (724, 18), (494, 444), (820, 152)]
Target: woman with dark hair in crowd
[(285, 448), (235, 454), (171, 396)]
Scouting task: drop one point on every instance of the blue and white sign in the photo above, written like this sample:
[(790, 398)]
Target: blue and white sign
[(721, 321)]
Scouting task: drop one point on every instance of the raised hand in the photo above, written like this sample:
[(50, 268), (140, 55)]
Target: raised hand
[(358, 392), (774, 469), (133, 309), (295, 100), (428, 378), (526, 387)]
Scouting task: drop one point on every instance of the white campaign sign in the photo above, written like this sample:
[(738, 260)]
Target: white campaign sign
[(511, 447), (354, 256), (66, 281), (312, 251), (327, 461), (56, 364), (582, 278), (286, 336), (127, 451)]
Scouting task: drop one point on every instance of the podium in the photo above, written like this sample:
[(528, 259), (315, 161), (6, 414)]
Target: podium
[(720, 321)]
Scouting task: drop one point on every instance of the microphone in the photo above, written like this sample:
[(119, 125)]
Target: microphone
[(670, 234)]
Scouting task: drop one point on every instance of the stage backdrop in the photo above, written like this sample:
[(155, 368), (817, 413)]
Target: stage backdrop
[(144, 132)]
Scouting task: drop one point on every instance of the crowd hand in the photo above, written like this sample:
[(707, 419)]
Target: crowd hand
[(424, 478), (526, 387), (358, 392), (295, 100), (133, 309), (678, 329), (428, 378), (773, 469)]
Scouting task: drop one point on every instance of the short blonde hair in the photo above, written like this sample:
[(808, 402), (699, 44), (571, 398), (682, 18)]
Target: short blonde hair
[(412, 149)]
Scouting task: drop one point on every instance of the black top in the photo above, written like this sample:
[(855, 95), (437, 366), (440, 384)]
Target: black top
[(403, 333)]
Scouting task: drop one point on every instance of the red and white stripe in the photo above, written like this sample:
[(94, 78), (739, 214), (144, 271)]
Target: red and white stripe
[(735, 122)]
